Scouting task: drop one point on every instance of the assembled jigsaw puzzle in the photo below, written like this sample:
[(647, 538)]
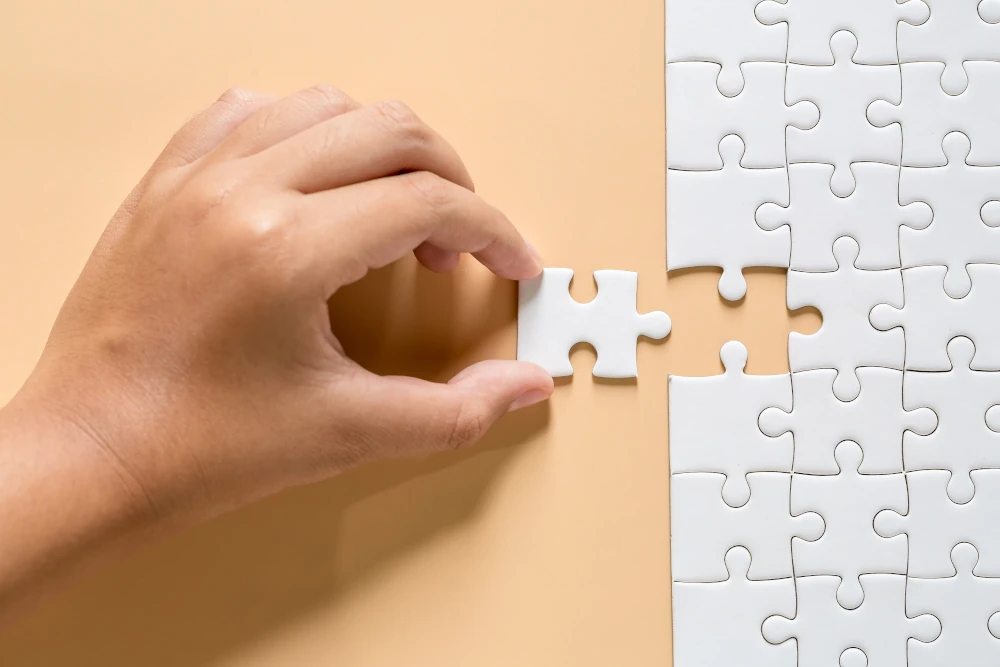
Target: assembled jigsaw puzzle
[(871, 536)]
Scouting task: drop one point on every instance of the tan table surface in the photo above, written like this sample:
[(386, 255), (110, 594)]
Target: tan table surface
[(547, 545)]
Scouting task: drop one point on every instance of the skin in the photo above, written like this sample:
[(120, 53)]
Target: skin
[(192, 369)]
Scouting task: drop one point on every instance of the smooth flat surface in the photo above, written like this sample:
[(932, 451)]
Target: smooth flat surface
[(547, 545)]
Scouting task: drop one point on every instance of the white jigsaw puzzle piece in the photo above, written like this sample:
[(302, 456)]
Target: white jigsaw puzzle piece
[(848, 503), (954, 34), (703, 527), (735, 607), (824, 630), (871, 215), (724, 32), (699, 116), (933, 524), (930, 318), (958, 235), (964, 603), (811, 23), (927, 114), (846, 341), (550, 322), (711, 219), (963, 441), (713, 424), (876, 420), (842, 92)]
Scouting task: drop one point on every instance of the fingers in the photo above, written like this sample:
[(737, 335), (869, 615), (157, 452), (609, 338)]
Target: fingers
[(375, 141), (345, 232), (414, 417), (274, 123), (210, 127)]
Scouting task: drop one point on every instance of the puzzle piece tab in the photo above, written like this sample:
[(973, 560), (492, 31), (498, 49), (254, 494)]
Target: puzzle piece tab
[(711, 219), (550, 322), (713, 424)]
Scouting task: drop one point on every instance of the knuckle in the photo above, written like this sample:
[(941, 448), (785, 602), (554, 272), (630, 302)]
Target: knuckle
[(467, 426), (401, 120), (327, 97), (431, 191), (237, 97)]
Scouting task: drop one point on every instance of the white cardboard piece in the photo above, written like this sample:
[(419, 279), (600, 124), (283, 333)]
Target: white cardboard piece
[(876, 420), (871, 215), (930, 318), (962, 441), (550, 322), (824, 630), (724, 32), (846, 340), (958, 235), (701, 441), (848, 503), (934, 524), (842, 92), (711, 219), (811, 24), (703, 527), (735, 608), (699, 116), (964, 603)]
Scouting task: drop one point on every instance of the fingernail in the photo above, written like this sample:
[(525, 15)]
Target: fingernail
[(528, 398), (534, 252)]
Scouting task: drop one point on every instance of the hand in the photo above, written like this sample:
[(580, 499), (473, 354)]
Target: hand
[(194, 356)]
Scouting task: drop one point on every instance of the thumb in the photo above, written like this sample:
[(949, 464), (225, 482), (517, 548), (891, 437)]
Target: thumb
[(403, 416)]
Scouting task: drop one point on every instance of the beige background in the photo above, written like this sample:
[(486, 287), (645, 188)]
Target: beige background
[(548, 545)]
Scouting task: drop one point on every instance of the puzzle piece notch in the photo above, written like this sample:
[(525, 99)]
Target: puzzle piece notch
[(959, 195), (931, 318), (823, 629), (964, 603), (846, 340), (699, 116), (843, 92), (704, 527), (927, 113), (871, 215), (957, 31), (701, 442), (877, 420), (963, 441), (550, 322), (989, 11), (934, 524), (738, 605), (724, 32), (812, 24), (711, 219), (853, 657), (848, 503), (993, 418), (991, 213)]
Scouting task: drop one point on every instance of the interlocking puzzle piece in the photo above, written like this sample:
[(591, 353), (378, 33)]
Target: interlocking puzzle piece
[(848, 503), (550, 322), (842, 92), (724, 32), (934, 524), (880, 627), (957, 31), (704, 527), (713, 424), (930, 318), (711, 219), (846, 340), (699, 116), (958, 235), (964, 604), (853, 657), (962, 442), (876, 420), (736, 607), (811, 23), (871, 215), (927, 113)]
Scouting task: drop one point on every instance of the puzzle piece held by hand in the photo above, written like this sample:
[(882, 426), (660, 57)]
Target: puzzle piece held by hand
[(550, 322)]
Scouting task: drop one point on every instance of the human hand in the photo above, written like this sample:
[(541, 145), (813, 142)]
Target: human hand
[(195, 353)]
